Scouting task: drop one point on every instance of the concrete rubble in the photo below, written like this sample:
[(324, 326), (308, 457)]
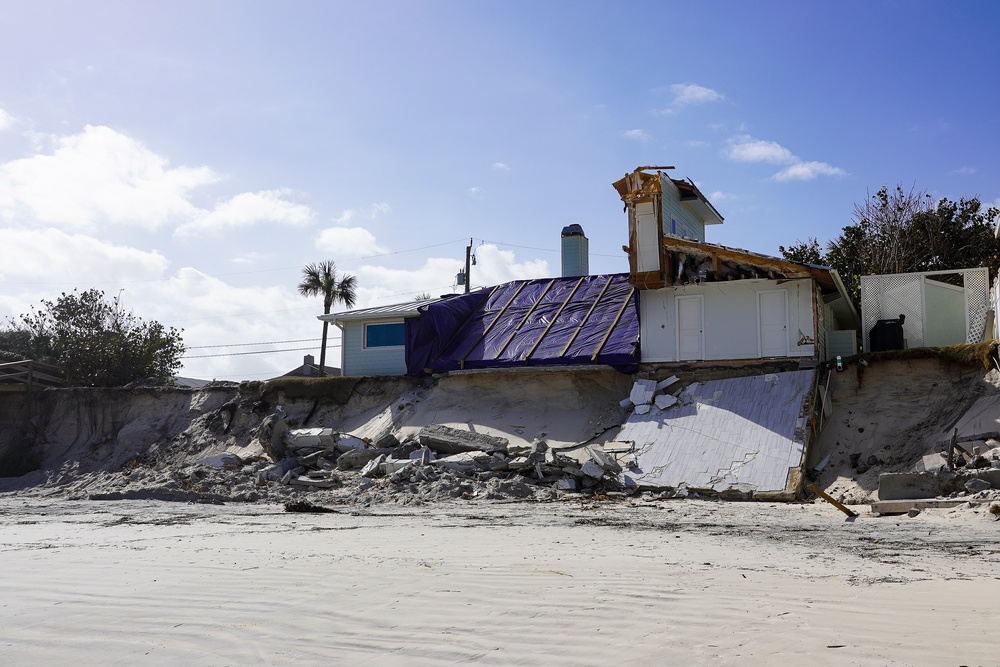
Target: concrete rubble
[(453, 460)]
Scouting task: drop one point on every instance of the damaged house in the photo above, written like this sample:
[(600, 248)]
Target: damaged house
[(705, 302), (701, 303), (685, 304)]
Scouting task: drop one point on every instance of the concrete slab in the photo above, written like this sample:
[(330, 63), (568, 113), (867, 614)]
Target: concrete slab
[(905, 505), (979, 422), (739, 434)]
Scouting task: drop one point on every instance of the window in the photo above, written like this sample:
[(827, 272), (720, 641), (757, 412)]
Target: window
[(391, 334)]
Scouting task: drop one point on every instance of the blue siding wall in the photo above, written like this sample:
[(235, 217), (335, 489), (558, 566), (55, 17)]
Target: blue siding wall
[(356, 360), (688, 223)]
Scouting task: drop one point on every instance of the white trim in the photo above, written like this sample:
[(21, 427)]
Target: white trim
[(364, 334)]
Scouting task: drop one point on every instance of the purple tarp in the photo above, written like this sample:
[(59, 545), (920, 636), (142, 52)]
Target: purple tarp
[(548, 321)]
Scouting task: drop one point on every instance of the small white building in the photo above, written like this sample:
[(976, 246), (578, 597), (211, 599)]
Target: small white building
[(373, 340)]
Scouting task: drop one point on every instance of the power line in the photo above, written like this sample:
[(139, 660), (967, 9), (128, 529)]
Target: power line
[(240, 354), (270, 342)]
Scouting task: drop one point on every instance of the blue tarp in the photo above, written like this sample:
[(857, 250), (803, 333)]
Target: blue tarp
[(548, 321)]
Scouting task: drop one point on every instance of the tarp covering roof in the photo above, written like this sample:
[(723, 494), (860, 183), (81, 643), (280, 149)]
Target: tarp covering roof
[(547, 321)]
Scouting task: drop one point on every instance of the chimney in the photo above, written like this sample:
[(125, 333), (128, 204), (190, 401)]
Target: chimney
[(575, 252)]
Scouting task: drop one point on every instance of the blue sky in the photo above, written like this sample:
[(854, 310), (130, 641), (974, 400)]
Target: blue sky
[(197, 154)]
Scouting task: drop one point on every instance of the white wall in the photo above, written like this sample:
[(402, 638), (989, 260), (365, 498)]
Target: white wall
[(731, 325), (357, 360), (945, 309)]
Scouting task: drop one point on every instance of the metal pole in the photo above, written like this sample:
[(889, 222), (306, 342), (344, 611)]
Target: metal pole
[(468, 264)]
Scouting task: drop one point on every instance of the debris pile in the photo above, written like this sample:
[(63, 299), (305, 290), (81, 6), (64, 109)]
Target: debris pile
[(438, 462), (644, 396)]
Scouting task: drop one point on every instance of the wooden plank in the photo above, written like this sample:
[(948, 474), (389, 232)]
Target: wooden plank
[(583, 322), (830, 499), (524, 319), (628, 297), (554, 318), (461, 362)]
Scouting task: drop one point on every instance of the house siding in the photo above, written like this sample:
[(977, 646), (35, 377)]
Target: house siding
[(731, 322), (688, 223), (357, 360)]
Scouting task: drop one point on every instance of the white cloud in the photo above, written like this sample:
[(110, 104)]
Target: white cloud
[(247, 209), (6, 120), (348, 242), (636, 135), (380, 286), (964, 171), (99, 176), (53, 256), (500, 166), (689, 93), (369, 212), (806, 171), (476, 192), (748, 149)]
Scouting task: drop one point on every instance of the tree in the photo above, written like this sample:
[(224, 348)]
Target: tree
[(321, 278), (901, 231), (95, 341)]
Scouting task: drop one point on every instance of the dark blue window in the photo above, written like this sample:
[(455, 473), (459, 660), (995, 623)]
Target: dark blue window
[(385, 335)]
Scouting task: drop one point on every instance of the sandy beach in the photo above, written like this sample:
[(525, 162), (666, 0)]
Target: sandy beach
[(688, 582)]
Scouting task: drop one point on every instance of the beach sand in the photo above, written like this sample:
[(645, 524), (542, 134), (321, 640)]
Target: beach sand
[(690, 582)]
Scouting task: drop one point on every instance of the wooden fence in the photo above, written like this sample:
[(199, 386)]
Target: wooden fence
[(28, 375)]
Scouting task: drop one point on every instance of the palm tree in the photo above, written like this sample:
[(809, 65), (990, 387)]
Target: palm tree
[(321, 278)]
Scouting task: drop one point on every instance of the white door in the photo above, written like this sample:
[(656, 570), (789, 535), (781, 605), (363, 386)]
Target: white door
[(772, 312), (655, 340), (690, 328)]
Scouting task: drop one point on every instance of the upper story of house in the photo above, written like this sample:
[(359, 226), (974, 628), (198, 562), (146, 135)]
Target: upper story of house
[(660, 207)]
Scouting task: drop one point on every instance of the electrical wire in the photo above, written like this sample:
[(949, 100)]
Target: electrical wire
[(240, 354), (270, 342)]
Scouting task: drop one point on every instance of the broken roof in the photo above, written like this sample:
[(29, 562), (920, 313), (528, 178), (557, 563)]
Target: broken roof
[(640, 186), (546, 321)]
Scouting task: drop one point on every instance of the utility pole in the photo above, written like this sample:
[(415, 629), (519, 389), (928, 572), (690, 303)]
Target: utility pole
[(468, 264)]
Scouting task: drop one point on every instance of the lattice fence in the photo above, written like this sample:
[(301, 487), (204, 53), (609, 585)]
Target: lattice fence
[(890, 295)]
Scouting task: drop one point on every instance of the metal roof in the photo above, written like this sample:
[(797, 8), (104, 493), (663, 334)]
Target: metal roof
[(408, 309)]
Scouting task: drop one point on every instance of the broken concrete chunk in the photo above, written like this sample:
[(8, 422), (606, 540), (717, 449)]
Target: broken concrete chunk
[(591, 469), (566, 484), (453, 441), (373, 467), (466, 461), (975, 485), (326, 483), (625, 403), (663, 384), (391, 466), (602, 459), (300, 438), (359, 457), (642, 392), (642, 409), (346, 442), (664, 401)]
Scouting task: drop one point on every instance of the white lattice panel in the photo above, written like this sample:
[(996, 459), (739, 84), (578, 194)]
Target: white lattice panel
[(890, 295)]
